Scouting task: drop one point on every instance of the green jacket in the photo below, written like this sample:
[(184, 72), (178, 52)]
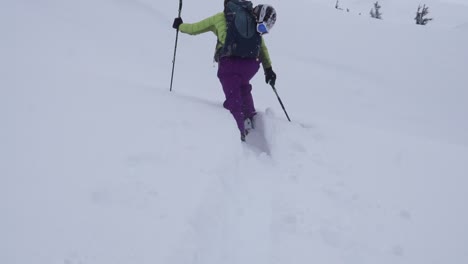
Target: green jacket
[(217, 25)]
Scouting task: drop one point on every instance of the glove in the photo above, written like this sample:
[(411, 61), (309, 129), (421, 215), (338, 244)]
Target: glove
[(177, 22), (270, 76)]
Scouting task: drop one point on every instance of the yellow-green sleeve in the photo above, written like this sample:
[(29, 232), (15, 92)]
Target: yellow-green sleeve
[(265, 56), (203, 26)]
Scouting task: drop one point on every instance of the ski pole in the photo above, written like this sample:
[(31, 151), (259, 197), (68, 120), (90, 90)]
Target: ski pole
[(175, 48), (281, 103)]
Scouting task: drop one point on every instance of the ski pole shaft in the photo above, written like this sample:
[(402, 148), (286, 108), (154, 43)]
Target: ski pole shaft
[(281, 102), (175, 48)]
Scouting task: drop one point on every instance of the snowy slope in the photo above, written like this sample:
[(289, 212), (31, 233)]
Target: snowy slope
[(100, 163)]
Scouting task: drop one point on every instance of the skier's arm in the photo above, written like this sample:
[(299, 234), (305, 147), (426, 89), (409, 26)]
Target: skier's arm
[(203, 26), (270, 75), (265, 56)]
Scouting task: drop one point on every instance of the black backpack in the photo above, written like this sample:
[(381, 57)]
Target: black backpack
[(242, 38)]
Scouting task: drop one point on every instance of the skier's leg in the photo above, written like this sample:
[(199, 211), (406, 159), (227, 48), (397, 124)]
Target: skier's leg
[(248, 106), (250, 69), (231, 87), (231, 82)]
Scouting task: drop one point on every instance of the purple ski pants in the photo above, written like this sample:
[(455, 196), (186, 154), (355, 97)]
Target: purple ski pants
[(235, 74)]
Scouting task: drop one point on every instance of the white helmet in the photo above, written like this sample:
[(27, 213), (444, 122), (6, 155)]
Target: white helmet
[(266, 16)]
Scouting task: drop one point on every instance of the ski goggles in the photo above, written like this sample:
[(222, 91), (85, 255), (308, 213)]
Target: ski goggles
[(262, 28)]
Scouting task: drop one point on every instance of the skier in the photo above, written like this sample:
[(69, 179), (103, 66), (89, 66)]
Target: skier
[(239, 50)]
